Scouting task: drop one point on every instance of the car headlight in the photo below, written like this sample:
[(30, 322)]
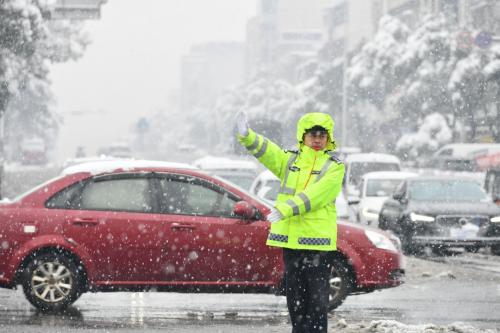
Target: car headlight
[(369, 213), (495, 219), (421, 218), (380, 240)]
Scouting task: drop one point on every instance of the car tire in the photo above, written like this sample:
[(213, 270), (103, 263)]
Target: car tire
[(495, 249), (340, 282), (51, 282)]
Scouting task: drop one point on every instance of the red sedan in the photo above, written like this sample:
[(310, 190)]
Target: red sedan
[(118, 225)]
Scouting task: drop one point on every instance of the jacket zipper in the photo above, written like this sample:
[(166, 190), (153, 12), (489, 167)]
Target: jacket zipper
[(310, 173)]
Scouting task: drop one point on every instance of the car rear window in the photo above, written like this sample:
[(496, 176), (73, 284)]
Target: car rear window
[(358, 169), (381, 187), (447, 190)]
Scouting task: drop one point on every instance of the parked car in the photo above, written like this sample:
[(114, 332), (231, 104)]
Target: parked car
[(457, 164), (375, 188), (463, 150), (33, 151), (267, 186), (490, 163), (346, 151), (461, 157), (117, 150), (116, 225), (442, 212), (356, 165), (492, 184), (240, 171)]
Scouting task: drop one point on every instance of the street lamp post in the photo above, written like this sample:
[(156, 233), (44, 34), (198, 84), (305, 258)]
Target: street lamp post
[(344, 102)]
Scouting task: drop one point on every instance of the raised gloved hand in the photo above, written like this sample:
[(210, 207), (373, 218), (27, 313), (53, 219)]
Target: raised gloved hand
[(242, 123), (274, 215)]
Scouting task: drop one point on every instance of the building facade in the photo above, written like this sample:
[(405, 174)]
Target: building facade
[(283, 34), (207, 70)]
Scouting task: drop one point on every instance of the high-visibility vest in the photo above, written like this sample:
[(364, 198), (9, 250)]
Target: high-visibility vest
[(310, 182)]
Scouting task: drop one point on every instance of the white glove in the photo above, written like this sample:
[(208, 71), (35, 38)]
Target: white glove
[(242, 123), (274, 215)]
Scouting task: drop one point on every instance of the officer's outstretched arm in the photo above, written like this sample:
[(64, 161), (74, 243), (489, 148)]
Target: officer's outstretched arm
[(317, 195), (267, 152)]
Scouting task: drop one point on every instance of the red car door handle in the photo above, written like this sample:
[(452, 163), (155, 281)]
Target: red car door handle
[(85, 222), (178, 226)]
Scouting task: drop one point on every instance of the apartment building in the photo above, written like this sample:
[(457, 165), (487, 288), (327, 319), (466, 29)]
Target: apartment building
[(208, 69), (283, 34)]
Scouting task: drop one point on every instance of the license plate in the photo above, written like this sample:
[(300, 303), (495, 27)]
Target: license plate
[(467, 231)]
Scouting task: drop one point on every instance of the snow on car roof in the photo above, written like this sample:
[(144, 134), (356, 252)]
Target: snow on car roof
[(97, 167), (223, 163), (389, 175), (372, 157)]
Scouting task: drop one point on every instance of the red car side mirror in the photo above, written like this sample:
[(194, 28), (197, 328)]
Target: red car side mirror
[(245, 210)]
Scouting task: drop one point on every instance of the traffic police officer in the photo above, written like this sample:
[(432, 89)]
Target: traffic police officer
[(304, 216)]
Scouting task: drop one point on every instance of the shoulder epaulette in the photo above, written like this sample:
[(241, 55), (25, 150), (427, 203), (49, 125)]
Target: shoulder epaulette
[(291, 151), (335, 157)]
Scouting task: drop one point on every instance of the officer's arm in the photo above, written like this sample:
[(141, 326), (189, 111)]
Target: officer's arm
[(316, 195), (267, 152)]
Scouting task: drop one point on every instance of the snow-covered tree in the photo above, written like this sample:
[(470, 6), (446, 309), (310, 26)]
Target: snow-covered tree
[(409, 76), (372, 74), (491, 71), (426, 64), (272, 106), (433, 133), (28, 45)]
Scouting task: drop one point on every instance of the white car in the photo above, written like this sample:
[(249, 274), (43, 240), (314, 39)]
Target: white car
[(267, 186), (375, 188), (356, 165), (239, 171)]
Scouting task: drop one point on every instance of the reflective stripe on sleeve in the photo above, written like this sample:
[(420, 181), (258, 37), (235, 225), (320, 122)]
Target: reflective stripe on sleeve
[(262, 149), (284, 189), (295, 208), (307, 202), (287, 190), (324, 169), (255, 144)]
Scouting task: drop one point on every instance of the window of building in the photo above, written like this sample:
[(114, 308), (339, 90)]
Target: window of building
[(338, 14)]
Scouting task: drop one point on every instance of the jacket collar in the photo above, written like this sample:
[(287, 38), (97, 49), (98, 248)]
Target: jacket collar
[(309, 152)]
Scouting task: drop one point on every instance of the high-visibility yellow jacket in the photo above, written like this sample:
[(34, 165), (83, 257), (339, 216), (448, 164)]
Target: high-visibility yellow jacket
[(310, 182)]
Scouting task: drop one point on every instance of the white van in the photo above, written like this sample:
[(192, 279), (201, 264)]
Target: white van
[(241, 172), (375, 188), (356, 165), (466, 150), (461, 156)]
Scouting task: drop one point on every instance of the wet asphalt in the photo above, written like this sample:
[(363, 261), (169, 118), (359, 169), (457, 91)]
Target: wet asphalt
[(441, 292)]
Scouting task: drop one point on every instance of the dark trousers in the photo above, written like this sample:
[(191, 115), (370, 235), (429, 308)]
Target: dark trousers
[(307, 289)]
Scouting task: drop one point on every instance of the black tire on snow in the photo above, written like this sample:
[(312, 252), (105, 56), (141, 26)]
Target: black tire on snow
[(51, 282), (495, 249), (340, 283)]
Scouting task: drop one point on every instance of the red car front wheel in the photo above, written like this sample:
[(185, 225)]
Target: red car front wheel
[(51, 282)]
